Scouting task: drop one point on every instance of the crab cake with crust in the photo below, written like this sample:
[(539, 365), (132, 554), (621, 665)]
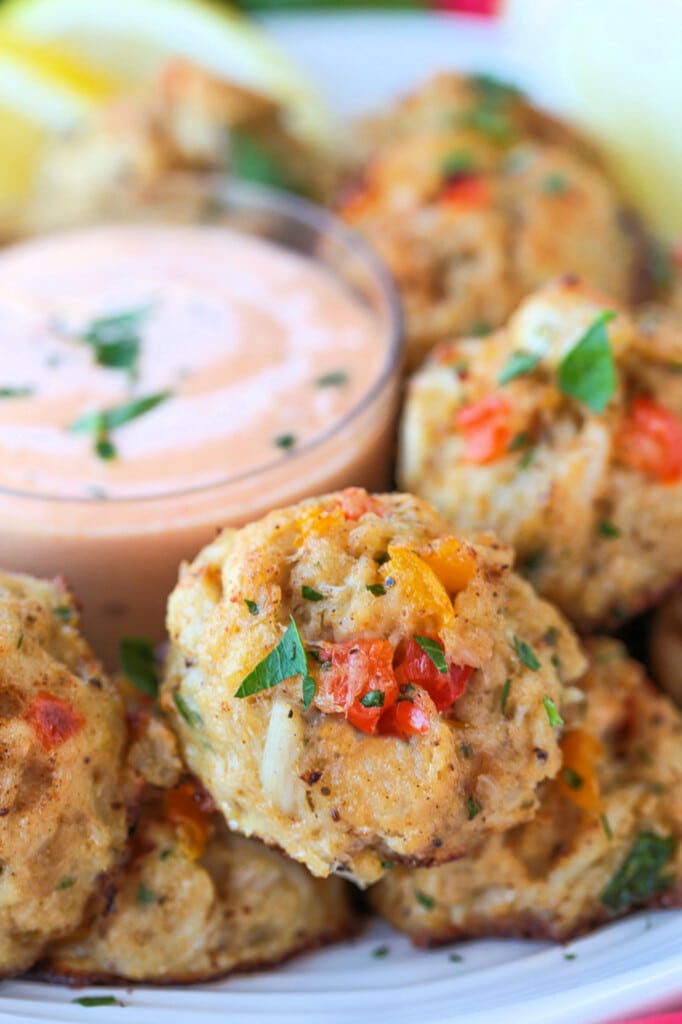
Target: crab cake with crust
[(64, 788), (335, 677), (606, 840), (562, 432), (195, 902), (473, 204)]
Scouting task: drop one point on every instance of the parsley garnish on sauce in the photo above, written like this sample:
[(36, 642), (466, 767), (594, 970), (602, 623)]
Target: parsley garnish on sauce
[(526, 654), (334, 379), (284, 661), (433, 652), (16, 392), (285, 441), (138, 663), (101, 423), (639, 876), (116, 340), (587, 373), (518, 365)]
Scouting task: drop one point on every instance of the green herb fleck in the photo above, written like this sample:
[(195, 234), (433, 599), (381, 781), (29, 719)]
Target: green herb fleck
[(465, 750), (433, 652), (458, 163), (608, 529), (284, 661), (311, 595), (532, 562), (495, 90), (526, 654), (20, 639), (165, 854), (378, 589), (606, 825), (388, 865), (285, 441), (116, 339), (505, 695), (15, 392), (569, 956), (572, 778), (251, 161), (138, 663), (639, 876), (101, 423), (554, 184), (551, 636), (478, 329), (66, 883), (105, 449), (473, 808), (552, 713), (518, 364), (145, 895), (191, 717), (427, 902), (660, 265), (587, 373), (334, 379), (309, 691), (518, 442), (526, 458), (373, 699), (455, 958), (494, 124), (63, 612), (89, 1001), (380, 952), (252, 606)]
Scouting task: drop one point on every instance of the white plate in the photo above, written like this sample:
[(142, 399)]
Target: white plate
[(636, 964)]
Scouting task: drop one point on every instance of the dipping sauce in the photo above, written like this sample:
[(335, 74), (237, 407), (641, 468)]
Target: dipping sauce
[(158, 381)]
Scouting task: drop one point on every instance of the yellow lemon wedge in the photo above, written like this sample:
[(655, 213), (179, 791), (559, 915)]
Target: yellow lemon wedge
[(129, 39), (41, 91)]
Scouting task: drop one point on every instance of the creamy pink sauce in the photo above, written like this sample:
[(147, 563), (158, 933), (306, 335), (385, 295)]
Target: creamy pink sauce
[(239, 332)]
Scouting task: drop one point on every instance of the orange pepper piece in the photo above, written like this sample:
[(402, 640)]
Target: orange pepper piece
[(419, 584), (578, 778), (182, 808), (452, 560)]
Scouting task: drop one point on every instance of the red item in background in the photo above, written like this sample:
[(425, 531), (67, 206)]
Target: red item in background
[(480, 8)]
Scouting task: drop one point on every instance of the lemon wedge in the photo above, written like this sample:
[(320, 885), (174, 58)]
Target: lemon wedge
[(41, 91), (129, 39)]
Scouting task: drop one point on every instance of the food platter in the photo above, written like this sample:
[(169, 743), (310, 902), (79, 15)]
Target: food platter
[(636, 964)]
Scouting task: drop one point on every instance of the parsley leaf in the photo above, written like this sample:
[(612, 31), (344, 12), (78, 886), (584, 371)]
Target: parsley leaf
[(473, 807), (505, 695), (606, 825), (89, 1001), (191, 717), (309, 691), (433, 652), (572, 778), (252, 606), (284, 661), (250, 160), (552, 713), (145, 896), (66, 883), (15, 392), (526, 654), (378, 589), (639, 876), (311, 595), (457, 163), (373, 699), (63, 612), (427, 902), (518, 364), (608, 529), (554, 184), (285, 441), (380, 952), (100, 423), (587, 373), (138, 663), (116, 339), (334, 379)]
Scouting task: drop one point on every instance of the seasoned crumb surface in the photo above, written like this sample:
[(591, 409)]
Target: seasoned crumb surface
[(362, 576)]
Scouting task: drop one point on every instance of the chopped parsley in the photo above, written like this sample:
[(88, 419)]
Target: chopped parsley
[(495, 90), (433, 652), (505, 695), (455, 958), (66, 883), (252, 606), (551, 636), (105, 449), (388, 865), (116, 340), (138, 663), (334, 379), (640, 875), (373, 699), (465, 750), (459, 162), (284, 661), (518, 365), (165, 854), (380, 952), (605, 824), (16, 392), (145, 895), (587, 373), (570, 956), (526, 654), (608, 529), (20, 639), (101, 423), (493, 124), (90, 1001), (572, 778), (526, 458), (478, 329), (518, 442), (532, 562), (311, 595), (552, 713), (554, 184), (250, 160), (309, 691), (378, 589), (191, 717), (473, 807), (427, 902), (285, 441), (63, 612)]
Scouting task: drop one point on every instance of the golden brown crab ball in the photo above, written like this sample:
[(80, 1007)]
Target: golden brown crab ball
[(195, 902), (562, 432), (63, 786), (665, 647), (472, 207), (606, 840), (335, 676)]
